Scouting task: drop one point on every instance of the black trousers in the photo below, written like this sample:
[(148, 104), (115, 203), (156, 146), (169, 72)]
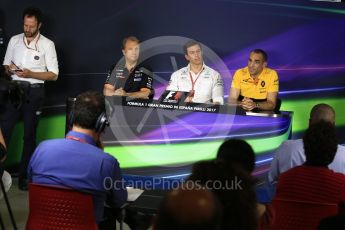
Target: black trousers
[(30, 112)]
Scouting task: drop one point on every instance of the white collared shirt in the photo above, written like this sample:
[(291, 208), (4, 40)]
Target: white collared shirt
[(38, 56), (291, 154), (208, 86)]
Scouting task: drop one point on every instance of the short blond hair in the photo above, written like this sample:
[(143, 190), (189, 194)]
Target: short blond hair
[(130, 38)]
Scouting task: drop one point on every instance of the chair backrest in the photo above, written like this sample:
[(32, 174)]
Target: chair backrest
[(300, 215), (59, 208)]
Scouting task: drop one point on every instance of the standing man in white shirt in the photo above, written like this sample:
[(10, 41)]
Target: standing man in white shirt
[(204, 84), (291, 152), (29, 61)]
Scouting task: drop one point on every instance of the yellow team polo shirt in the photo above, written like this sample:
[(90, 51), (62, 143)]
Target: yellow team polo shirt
[(268, 82)]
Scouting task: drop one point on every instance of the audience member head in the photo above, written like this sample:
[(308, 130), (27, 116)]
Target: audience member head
[(234, 189), (320, 144), (87, 109), (189, 209), (332, 222), (322, 112), (239, 152)]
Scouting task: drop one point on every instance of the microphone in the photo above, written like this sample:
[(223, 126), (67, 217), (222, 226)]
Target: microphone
[(146, 71)]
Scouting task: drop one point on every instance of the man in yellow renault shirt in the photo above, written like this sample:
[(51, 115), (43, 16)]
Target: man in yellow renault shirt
[(255, 86)]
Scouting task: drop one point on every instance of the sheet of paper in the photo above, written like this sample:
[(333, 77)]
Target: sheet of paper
[(133, 193)]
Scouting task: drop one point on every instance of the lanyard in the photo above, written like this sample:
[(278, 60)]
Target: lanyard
[(97, 144), (76, 139), (191, 79), (36, 49)]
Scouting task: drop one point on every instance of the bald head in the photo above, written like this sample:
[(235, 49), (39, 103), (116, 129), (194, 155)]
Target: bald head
[(322, 112), (192, 209)]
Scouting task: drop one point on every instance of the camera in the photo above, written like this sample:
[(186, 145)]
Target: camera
[(10, 92)]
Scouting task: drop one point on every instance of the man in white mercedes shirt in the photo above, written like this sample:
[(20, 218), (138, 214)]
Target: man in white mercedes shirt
[(29, 61), (204, 84)]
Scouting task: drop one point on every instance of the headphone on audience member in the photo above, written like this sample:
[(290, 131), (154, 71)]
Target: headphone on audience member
[(101, 122)]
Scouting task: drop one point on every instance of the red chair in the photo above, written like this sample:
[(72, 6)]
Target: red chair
[(300, 215), (57, 208)]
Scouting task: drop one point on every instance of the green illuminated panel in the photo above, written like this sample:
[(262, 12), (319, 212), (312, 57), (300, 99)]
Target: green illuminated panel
[(49, 127), (184, 153), (302, 108)]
